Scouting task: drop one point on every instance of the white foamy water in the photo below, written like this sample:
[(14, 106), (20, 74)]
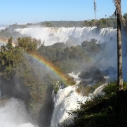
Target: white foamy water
[(76, 35), (14, 114), (75, 76), (2, 43), (66, 100)]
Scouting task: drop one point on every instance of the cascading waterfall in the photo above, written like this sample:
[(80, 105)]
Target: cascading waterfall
[(75, 34), (66, 99)]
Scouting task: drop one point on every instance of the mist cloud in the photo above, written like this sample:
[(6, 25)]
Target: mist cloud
[(14, 114)]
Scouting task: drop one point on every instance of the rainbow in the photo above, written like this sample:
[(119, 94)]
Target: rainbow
[(50, 65)]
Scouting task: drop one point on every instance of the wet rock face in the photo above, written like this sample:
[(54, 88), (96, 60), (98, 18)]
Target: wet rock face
[(83, 83), (98, 75), (108, 71), (88, 78), (13, 88), (85, 75), (46, 111)]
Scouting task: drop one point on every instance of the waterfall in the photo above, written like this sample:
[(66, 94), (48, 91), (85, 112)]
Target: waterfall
[(51, 35), (65, 101), (67, 98)]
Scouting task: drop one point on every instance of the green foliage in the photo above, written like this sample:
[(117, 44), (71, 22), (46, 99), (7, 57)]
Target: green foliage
[(90, 89), (125, 16), (101, 23), (28, 44), (111, 89), (18, 68), (48, 24), (9, 42), (62, 23), (86, 89), (67, 59), (91, 46), (9, 60)]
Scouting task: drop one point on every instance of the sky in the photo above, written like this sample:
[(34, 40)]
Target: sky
[(32, 11)]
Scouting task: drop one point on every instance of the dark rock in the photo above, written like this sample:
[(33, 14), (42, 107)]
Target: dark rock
[(45, 114), (97, 75), (83, 83), (85, 75)]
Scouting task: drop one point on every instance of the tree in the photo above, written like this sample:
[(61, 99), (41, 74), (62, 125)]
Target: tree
[(125, 16), (120, 20), (9, 44), (95, 10), (119, 44), (28, 44), (119, 40)]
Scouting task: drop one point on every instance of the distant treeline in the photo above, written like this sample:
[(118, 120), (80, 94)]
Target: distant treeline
[(101, 23)]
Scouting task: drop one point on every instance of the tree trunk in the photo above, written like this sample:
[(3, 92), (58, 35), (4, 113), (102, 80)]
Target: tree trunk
[(119, 48)]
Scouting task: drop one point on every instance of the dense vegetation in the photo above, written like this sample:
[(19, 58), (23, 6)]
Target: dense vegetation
[(72, 58), (21, 75), (101, 23)]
